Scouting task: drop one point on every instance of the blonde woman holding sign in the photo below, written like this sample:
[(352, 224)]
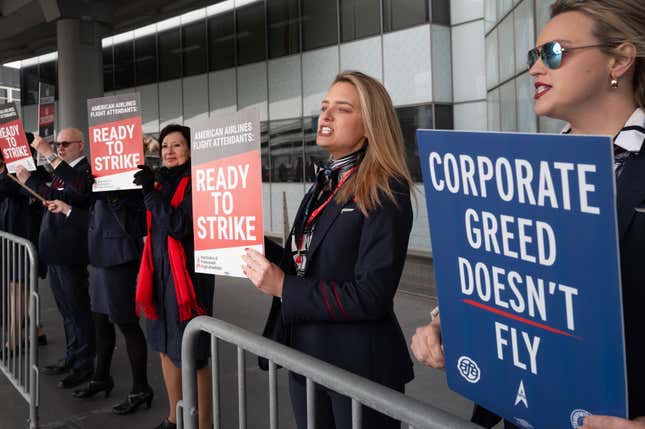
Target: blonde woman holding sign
[(589, 70), (334, 283)]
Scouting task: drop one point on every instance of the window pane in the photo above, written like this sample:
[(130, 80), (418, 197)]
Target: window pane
[(400, 14), (319, 24), (48, 73), (412, 118), (359, 18), (108, 70), (285, 140), (314, 154), (441, 12), (124, 65), (29, 85), (145, 50), (169, 55), (283, 28), (264, 152), (194, 41), (221, 41), (251, 37), (443, 117)]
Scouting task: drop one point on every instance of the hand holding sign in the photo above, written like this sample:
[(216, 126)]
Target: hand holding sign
[(22, 174), (145, 178), (609, 422), (264, 275), (426, 345)]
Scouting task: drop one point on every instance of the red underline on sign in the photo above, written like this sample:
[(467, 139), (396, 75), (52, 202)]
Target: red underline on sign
[(518, 318)]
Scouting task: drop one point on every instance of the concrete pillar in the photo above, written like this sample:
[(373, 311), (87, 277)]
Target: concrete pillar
[(80, 69)]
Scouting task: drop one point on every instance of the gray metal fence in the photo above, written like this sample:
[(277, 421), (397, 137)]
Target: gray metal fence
[(19, 316), (362, 391)]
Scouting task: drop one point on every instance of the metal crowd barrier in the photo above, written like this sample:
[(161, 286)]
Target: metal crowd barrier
[(19, 316), (362, 391)]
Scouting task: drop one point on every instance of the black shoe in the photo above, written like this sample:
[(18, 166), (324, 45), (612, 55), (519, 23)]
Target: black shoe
[(166, 425), (76, 377), (60, 367), (133, 401), (95, 387)]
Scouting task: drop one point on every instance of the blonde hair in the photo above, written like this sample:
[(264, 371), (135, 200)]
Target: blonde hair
[(615, 22), (384, 146)]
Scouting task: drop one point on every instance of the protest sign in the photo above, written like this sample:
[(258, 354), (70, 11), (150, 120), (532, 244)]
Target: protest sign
[(46, 116), (116, 141), (525, 248), (227, 191), (13, 142)]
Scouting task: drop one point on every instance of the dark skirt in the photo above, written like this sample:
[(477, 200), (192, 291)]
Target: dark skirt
[(114, 291), (165, 334)]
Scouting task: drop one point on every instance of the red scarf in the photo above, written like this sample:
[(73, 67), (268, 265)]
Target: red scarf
[(184, 290)]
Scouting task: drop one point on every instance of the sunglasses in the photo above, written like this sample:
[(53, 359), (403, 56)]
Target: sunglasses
[(65, 144), (551, 54)]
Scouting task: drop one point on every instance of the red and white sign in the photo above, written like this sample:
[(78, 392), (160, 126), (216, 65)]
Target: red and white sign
[(13, 142), (116, 141), (46, 116), (227, 192)]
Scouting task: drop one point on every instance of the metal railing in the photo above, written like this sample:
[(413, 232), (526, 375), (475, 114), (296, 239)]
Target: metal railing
[(19, 316), (362, 391)]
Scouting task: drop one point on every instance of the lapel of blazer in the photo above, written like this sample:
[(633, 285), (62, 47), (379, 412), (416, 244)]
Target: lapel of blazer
[(630, 188), (286, 262), (327, 218)]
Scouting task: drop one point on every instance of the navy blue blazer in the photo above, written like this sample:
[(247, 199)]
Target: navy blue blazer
[(116, 227), (61, 242), (342, 311), (630, 185)]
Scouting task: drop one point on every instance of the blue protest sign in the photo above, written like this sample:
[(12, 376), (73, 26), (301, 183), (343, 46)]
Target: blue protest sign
[(525, 247)]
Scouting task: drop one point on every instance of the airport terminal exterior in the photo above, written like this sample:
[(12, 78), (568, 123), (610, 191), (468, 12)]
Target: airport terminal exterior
[(448, 64)]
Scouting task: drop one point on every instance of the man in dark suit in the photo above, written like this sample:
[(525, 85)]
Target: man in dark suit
[(64, 247)]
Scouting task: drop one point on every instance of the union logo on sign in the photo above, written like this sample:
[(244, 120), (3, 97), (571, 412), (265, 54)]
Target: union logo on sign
[(468, 369), (577, 417)]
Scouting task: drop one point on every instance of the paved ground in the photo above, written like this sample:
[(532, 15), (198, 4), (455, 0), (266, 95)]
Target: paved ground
[(236, 301)]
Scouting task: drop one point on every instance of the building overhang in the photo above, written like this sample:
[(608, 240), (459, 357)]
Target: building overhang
[(28, 27)]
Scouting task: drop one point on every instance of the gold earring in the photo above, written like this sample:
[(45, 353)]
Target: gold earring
[(613, 83)]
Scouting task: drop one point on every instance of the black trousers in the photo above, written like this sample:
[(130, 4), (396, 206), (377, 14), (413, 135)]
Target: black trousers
[(69, 284), (333, 410), (488, 419)]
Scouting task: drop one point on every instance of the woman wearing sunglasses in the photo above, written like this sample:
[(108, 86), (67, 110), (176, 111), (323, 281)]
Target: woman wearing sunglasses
[(589, 70)]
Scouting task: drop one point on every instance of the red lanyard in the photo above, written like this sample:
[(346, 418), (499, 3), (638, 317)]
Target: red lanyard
[(320, 208)]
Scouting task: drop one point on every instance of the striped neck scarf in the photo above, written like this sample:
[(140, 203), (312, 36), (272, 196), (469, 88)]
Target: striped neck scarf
[(328, 179)]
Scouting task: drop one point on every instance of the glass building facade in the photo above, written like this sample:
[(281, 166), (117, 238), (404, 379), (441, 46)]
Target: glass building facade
[(446, 63), (280, 56), (511, 29)]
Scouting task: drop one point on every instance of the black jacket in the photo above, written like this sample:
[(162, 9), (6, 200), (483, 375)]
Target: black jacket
[(342, 311), (117, 224), (630, 186), (20, 213), (60, 241)]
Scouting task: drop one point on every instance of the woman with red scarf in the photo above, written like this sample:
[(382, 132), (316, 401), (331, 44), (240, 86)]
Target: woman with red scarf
[(169, 291)]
